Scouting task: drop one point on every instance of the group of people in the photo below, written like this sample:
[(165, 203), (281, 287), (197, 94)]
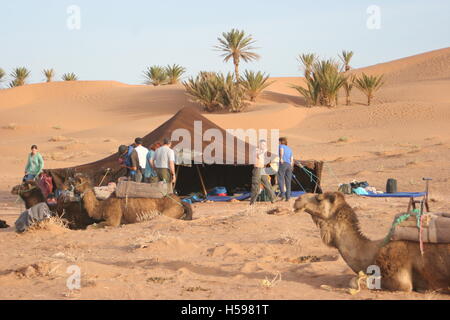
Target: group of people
[(149, 165), (260, 176), (158, 164)]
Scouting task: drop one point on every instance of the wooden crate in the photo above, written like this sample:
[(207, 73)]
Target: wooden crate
[(130, 189)]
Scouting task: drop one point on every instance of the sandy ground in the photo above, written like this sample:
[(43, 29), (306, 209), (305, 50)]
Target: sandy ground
[(228, 250)]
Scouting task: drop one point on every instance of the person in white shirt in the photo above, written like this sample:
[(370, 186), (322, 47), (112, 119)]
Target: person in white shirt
[(142, 156), (164, 163)]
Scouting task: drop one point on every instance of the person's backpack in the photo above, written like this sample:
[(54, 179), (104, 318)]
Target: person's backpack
[(128, 156), (345, 188), (391, 186)]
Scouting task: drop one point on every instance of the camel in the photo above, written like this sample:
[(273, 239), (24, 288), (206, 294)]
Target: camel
[(73, 212), (115, 211), (29, 192), (402, 266)]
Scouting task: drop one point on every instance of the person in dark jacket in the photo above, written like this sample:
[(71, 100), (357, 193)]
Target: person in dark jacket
[(129, 159)]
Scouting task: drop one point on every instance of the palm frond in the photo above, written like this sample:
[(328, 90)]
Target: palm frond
[(20, 76), (346, 57), (174, 73), (155, 75), (49, 74), (307, 60), (369, 85), (70, 76), (254, 83)]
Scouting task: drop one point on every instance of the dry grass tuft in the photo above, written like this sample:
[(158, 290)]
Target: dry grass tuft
[(50, 224)]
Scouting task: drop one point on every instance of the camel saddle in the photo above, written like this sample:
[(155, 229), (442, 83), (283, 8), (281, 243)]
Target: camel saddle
[(435, 227), (131, 189)]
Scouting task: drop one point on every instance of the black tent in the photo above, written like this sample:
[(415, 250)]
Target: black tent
[(232, 173)]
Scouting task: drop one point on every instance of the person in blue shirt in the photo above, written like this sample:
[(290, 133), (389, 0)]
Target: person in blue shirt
[(285, 169), (150, 175)]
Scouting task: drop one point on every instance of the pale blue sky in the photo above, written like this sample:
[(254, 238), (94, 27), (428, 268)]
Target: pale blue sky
[(118, 39)]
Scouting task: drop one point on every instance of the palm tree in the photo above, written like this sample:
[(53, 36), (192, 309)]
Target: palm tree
[(311, 93), (214, 91), (174, 73), (237, 45), (2, 74), (49, 74), (326, 73), (155, 75), (205, 89), (233, 94), (255, 83), (307, 60), (369, 85), (69, 76), (20, 76), (345, 57), (348, 86)]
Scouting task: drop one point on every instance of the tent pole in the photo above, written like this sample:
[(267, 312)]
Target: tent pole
[(201, 181)]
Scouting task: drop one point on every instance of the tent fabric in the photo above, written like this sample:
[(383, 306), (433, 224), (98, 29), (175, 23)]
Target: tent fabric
[(396, 195), (231, 176)]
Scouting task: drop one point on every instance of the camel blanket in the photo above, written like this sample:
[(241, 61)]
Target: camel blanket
[(36, 213), (435, 229), (103, 193)]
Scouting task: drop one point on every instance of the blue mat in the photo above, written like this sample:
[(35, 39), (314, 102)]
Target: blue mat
[(396, 195), (243, 196)]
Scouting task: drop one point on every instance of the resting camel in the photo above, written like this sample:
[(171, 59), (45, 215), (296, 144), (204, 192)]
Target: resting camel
[(402, 266), (115, 211), (73, 212)]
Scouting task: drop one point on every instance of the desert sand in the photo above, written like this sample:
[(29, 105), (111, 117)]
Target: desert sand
[(229, 249)]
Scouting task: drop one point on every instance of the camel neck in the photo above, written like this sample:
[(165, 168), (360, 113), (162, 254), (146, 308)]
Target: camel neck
[(90, 201), (357, 250)]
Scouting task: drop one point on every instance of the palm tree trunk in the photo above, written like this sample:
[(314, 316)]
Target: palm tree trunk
[(236, 70)]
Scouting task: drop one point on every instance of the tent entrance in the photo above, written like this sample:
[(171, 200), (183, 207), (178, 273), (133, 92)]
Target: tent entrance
[(235, 178)]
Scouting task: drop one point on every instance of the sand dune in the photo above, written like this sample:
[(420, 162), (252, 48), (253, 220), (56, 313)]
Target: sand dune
[(228, 250)]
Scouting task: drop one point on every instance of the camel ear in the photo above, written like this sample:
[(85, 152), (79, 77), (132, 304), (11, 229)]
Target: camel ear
[(320, 197)]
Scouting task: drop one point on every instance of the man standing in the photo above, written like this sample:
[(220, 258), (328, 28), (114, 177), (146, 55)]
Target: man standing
[(142, 158), (164, 163), (35, 164), (258, 175), (286, 168), (128, 158)]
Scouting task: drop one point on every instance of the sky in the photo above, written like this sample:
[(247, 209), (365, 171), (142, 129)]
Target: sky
[(117, 40)]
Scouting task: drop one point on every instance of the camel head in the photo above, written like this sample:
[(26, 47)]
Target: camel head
[(81, 183), (24, 188), (329, 211)]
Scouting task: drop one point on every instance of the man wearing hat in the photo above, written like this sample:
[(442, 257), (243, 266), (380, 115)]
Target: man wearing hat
[(128, 158), (164, 162)]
